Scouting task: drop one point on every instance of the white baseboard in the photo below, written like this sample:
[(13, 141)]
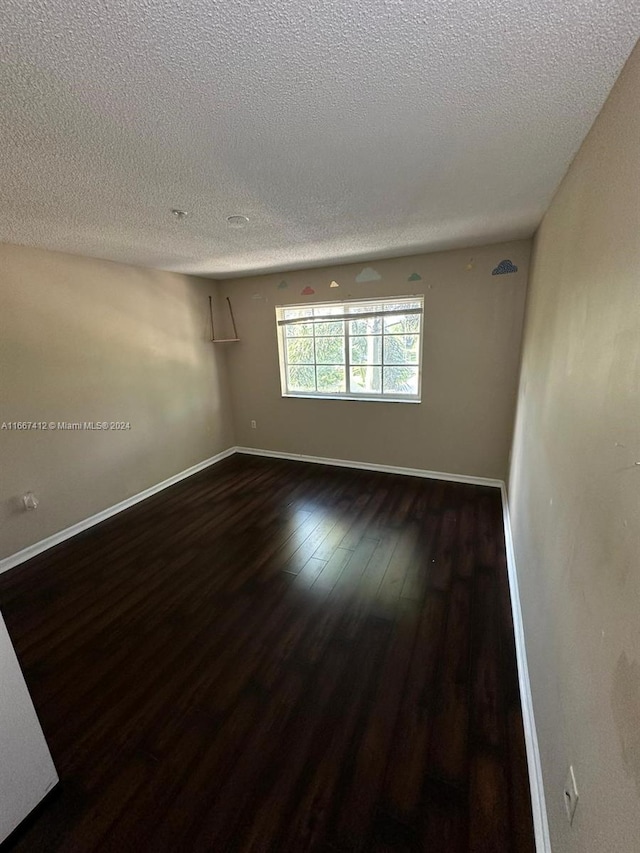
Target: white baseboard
[(44, 544), (369, 466), (536, 784)]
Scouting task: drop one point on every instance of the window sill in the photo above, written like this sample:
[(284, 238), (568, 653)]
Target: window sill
[(352, 398)]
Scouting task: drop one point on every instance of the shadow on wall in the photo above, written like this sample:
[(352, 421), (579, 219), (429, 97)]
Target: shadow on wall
[(625, 701)]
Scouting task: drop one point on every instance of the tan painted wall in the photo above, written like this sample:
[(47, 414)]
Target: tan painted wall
[(473, 323), (85, 340), (575, 484)]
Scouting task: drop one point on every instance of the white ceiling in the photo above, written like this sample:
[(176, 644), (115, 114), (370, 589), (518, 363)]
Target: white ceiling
[(344, 129)]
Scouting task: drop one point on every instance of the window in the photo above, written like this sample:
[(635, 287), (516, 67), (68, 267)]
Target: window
[(361, 350)]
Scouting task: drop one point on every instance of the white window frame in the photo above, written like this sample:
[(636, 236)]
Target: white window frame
[(282, 323)]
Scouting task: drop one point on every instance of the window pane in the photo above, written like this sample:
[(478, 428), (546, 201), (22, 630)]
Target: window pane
[(293, 313), (400, 349), (401, 306), (366, 326), (334, 328), (330, 350), (367, 308), (301, 379), (300, 350), (331, 379), (384, 354), (366, 350), (401, 324), (401, 380), (298, 330), (323, 310), (366, 380)]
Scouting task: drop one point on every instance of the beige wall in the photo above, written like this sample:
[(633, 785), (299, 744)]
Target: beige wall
[(472, 334), (85, 340), (575, 484)]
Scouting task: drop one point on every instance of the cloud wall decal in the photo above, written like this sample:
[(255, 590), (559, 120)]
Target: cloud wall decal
[(368, 274), (504, 268)]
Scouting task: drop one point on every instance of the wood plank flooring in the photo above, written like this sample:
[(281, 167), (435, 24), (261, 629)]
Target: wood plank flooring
[(278, 656)]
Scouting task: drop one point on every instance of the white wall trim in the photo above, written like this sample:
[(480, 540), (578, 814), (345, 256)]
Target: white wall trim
[(55, 539), (536, 783), (369, 466)]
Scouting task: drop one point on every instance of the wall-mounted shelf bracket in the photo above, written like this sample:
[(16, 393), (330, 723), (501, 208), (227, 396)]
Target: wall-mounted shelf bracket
[(233, 323)]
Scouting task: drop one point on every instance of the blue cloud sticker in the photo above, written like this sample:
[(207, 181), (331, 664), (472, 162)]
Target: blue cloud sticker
[(414, 277), (504, 268), (368, 274)]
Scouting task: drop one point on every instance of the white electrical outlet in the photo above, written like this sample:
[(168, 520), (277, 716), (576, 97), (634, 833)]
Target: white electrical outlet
[(253, 425), (570, 794)]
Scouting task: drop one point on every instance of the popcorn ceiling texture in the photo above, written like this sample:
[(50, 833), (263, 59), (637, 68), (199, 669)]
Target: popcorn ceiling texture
[(342, 130)]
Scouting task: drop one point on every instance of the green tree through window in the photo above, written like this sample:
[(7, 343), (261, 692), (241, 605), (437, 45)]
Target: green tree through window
[(359, 350)]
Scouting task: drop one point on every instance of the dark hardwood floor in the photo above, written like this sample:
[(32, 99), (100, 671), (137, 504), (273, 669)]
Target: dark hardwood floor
[(278, 656)]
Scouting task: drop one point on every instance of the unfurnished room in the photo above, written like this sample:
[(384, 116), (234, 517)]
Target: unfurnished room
[(320, 426)]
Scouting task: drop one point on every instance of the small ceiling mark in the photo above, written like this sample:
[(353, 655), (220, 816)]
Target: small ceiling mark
[(308, 291), (238, 220), (471, 265), (504, 268), (368, 274), (179, 214), (414, 277)]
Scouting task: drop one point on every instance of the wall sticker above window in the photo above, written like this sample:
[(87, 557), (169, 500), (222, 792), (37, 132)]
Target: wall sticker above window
[(334, 284), (504, 268), (283, 285), (368, 274), (414, 277), (308, 291)]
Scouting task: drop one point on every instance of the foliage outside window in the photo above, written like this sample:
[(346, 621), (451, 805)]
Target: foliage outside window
[(360, 350)]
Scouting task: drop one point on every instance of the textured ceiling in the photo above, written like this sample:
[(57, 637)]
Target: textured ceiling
[(343, 130)]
